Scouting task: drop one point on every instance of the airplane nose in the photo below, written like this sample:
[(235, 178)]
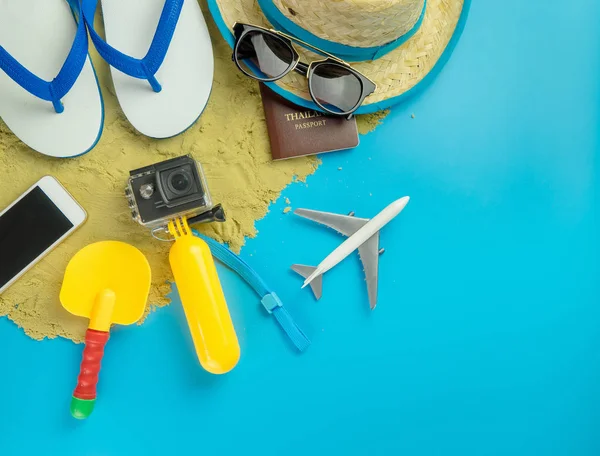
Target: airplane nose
[(402, 202)]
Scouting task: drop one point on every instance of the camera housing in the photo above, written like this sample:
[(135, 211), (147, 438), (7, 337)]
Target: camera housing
[(163, 191)]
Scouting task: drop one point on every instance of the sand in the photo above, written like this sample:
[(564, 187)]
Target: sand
[(230, 140)]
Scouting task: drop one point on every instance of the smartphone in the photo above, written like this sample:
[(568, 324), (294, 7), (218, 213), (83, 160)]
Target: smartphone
[(39, 220)]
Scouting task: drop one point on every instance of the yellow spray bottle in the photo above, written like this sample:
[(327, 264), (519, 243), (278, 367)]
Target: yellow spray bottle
[(203, 300)]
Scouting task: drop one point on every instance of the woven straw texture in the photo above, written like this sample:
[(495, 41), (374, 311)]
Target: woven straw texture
[(357, 23), (395, 73)]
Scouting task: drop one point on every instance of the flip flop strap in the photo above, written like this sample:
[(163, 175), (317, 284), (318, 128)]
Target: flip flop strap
[(146, 67), (56, 89)]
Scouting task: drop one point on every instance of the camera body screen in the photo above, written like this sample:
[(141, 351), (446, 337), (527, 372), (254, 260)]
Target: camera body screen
[(166, 190)]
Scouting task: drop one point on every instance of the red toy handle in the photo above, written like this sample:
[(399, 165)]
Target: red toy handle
[(84, 396), (90, 364)]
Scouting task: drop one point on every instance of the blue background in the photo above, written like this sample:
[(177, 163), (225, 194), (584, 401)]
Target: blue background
[(486, 339)]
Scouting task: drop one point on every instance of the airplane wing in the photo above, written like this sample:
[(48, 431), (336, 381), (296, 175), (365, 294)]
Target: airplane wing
[(369, 256), (343, 224), (369, 252)]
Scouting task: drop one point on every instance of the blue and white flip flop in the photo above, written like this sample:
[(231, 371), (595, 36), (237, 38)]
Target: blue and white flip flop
[(49, 94), (161, 61)]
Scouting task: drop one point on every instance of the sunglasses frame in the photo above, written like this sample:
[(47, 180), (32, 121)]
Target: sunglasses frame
[(307, 70)]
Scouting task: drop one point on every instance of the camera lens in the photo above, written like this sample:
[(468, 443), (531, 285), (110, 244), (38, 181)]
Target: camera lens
[(180, 182)]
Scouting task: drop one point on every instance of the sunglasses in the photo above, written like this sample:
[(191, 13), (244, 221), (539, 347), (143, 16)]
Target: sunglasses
[(268, 55)]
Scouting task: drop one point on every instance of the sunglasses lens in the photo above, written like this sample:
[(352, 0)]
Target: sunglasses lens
[(264, 56), (338, 89)]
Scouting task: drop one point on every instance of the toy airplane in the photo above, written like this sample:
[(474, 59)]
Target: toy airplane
[(363, 234)]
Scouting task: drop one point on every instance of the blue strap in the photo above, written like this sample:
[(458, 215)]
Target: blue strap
[(56, 89), (147, 67), (287, 323), (269, 299)]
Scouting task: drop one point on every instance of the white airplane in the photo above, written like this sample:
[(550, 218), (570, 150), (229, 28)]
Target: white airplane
[(363, 234)]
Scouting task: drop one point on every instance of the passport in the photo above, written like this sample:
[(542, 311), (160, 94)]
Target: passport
[(295, 131)]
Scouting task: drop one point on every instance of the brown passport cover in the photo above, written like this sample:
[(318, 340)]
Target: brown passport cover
[(295, 131)]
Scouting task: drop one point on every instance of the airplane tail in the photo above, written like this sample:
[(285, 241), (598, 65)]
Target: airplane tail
[(305, 271)]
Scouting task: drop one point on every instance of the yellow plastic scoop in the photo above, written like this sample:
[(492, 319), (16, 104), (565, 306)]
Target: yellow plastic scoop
[(107, 282)]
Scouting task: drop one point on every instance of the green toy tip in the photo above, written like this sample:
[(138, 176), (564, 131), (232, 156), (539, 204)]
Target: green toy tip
[(82, 408)]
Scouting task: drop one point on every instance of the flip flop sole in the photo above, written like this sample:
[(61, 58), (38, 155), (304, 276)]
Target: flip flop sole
[(186, 74), (39, 34)]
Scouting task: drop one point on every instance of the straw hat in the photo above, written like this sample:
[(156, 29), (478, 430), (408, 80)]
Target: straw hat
[(398, 44)]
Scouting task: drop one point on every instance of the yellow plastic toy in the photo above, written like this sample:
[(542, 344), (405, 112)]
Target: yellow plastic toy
[(203, 300), (107, 282)]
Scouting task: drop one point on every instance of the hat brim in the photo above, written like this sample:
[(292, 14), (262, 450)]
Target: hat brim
[(399, 74)]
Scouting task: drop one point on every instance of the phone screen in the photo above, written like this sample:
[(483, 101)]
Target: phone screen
[(26, 230)]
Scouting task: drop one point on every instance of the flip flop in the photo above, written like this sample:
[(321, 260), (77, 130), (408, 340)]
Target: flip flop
[(41, 41), (161, 61)]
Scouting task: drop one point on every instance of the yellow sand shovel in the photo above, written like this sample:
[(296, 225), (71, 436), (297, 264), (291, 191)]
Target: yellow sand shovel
[(107, 282)]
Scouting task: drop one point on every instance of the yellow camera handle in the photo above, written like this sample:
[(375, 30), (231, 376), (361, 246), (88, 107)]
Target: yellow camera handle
[(203, 300)]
